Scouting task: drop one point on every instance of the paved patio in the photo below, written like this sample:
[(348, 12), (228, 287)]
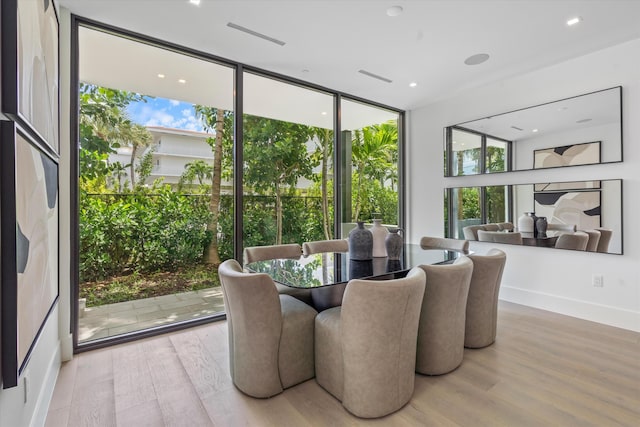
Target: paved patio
[(115, 319)]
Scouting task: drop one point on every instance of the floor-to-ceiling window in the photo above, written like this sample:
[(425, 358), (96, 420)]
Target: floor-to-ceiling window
[(287, 155), (185, 159), (155, 193), (370, 159)]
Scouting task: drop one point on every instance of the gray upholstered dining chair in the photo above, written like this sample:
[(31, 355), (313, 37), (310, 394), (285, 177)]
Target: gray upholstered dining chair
[(291, 251), (594, 239), (270, 335), (482, 302), (366, 349), (442, 319), (321, 246), (514, 238), (444, 243), (576, 241), (605, 239), (471, 231), (508, 226)]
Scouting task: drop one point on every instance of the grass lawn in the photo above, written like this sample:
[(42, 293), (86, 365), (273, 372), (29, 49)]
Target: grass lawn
[(138, 286)]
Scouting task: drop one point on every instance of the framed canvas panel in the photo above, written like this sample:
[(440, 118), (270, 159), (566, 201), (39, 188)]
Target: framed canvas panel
[(582, 208), (563, 186), (30, 263), (587, 153), (30, 68)]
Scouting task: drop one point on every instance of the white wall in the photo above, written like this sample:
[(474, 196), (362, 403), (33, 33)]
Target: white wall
[(555, 280)]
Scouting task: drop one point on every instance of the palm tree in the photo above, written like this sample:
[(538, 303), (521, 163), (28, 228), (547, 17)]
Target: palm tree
[(372, 154)]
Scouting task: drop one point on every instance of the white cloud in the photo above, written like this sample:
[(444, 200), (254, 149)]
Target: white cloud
[(174, 102)]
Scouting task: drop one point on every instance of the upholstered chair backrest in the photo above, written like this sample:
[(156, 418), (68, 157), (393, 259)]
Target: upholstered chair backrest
[(482, 302), (444, 243), (261, 253), (576, 241), (442, 319), (471, 231), (514, 238), (605, 239), (254, 319), (594, 239), (321, 246), (379, 321)]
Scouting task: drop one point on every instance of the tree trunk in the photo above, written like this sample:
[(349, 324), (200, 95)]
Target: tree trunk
[(325, 197), (278, 215), (212, 255), (132, 165)]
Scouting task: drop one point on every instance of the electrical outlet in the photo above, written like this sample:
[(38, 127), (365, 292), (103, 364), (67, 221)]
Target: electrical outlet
[(597, 280)]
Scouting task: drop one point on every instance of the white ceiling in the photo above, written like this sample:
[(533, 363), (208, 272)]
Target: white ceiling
[(427, 43)]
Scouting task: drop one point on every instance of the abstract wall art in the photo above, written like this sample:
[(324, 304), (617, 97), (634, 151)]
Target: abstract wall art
[(29, 247), (581, 208), (567, 155)]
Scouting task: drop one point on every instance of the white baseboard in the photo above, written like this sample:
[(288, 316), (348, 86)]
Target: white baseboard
[(613, 316), (46, 392)]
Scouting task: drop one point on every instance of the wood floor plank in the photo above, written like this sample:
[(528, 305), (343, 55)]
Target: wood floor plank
[(175, 393), (544, 369)]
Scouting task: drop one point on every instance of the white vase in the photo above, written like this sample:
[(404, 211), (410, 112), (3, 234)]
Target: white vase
[(379, 235), (526, 223)]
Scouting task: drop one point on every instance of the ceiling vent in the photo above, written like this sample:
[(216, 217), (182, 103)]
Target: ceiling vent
[(375, 76), (255, 33)]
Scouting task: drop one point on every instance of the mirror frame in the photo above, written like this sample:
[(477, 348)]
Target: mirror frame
[(509, 162)]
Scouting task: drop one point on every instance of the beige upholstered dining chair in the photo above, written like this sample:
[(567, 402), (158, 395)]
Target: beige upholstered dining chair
[(508, 226), (270, 335), (444, 243), (291, 251), (576, 241), (605, 239), (366, 349), (492, 227), (321, 246), (471, 231), (561, 227), (442, 319), (261, 253), (514, 238), (482, 302), (594, 238)]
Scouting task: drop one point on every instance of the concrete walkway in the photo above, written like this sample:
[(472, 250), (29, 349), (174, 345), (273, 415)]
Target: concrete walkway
[(115, 319)]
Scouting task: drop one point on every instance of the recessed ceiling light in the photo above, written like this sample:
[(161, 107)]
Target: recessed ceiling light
[(195, 2), (183, 81), (574, 21), (476, 59), (413, 84), (534, 130), (161, 76), (394, 10), (324, 113)]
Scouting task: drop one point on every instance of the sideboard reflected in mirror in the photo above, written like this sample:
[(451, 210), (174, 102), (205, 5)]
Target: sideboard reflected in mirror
[(582, 130), (576, 214)]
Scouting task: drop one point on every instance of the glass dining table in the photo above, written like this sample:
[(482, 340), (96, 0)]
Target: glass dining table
[(327, 274)]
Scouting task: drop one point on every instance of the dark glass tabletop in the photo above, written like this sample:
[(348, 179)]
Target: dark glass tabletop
[(326, 269)]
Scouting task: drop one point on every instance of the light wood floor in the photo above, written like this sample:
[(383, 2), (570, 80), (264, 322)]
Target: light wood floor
[(545, 369)]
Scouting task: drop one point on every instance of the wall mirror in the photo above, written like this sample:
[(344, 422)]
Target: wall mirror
[(582, 130), (573, 208)]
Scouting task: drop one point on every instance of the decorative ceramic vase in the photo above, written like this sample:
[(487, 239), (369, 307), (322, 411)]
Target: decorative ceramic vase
[(379, 235), (526, 223), (394, 243), (541, 226), (360, 243)]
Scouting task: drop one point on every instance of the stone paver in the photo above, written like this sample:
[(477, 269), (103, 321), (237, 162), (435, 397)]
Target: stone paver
[(123, 317)]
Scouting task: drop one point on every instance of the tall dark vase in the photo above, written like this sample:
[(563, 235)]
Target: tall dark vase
[(360, 243), (394, 242), (541, 226)]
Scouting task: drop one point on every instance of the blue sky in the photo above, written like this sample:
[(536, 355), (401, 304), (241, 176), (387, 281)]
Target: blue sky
[(164, 112)]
